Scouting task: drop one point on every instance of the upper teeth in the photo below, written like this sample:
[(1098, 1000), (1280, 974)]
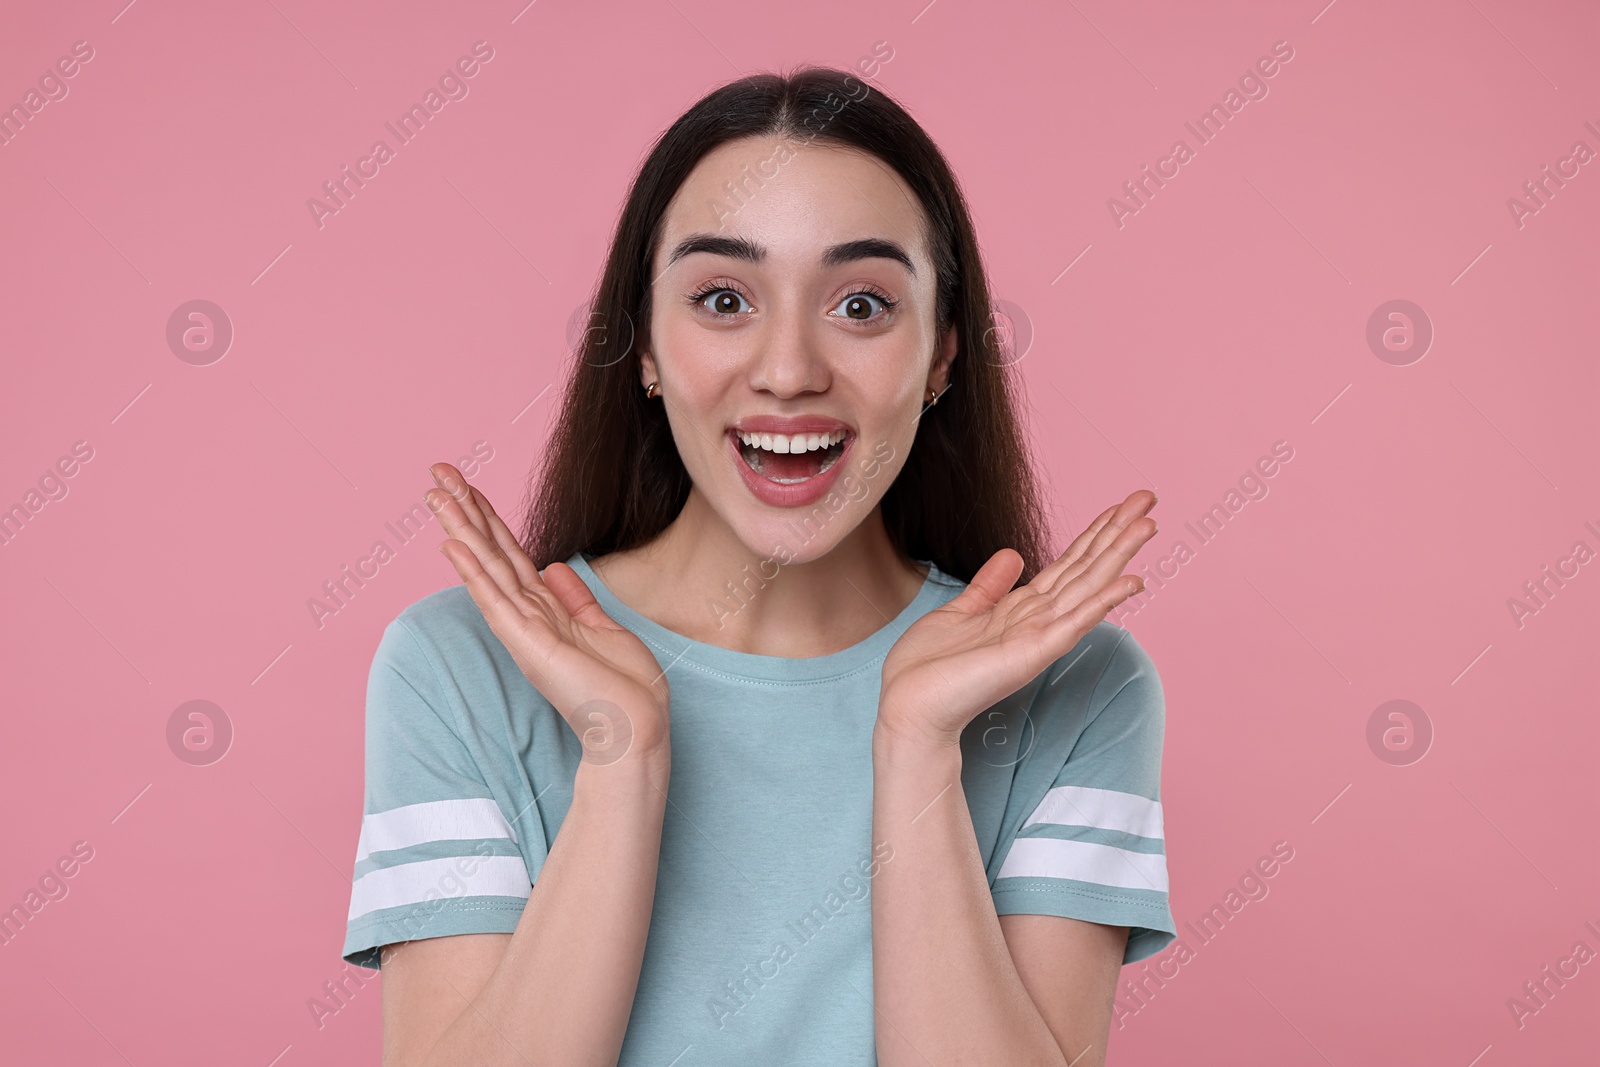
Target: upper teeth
[(800, 442)]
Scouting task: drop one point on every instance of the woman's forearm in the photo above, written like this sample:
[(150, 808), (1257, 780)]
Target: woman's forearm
[(563, 991), (944, 985)]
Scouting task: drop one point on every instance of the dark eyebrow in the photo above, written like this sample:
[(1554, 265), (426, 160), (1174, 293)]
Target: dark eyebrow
[(832, 256)]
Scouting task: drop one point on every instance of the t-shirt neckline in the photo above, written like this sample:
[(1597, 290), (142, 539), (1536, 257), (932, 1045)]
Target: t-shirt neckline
[(937, 588)]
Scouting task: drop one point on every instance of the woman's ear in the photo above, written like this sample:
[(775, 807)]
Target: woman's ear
[(943, 357), (647, 369)]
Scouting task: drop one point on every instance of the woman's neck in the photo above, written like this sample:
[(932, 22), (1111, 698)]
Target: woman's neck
[(697, 579)]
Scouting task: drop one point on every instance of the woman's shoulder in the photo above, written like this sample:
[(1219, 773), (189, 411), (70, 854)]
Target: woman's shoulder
[(443, 615), (443, 632), (1107, 664), (1113, 648), (438, 657), (451, 606)]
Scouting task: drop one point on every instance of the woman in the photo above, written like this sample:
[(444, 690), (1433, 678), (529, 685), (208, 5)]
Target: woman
[(756, 645)]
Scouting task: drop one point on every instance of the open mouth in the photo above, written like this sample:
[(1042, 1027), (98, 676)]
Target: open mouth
[(789, 459)]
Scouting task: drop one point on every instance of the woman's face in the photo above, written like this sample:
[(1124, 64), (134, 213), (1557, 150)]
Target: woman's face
[(793, 346)]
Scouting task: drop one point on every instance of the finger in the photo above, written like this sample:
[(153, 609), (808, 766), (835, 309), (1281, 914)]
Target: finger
[(1103, 570), (453, 482), (1129, 511), (509, 545), (577, 597), (1060, 633), (526, 570), (504, 615), (453, 517), (475, 505), (1070, 627), (1046, 578), (993, 581)]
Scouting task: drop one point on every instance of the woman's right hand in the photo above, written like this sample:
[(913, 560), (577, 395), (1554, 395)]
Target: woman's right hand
[(598, 675)]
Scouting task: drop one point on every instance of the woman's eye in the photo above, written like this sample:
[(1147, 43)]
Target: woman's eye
[(722, 301), (858, 306)]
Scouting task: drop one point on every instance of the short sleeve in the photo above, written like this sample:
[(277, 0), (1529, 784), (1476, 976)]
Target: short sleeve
[(1094, 848), (436, 855)]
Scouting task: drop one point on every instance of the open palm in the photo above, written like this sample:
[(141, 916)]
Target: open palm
[(991, 640), (597, 674)]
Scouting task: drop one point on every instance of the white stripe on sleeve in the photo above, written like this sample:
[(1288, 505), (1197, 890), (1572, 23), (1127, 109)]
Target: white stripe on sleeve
[(1103, 809), (437, 820), (1085, 861), (410, 883)]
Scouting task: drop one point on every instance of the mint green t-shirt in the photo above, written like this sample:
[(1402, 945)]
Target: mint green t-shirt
[(759, 948)]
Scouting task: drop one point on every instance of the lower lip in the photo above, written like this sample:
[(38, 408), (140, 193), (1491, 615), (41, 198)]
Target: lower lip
[(796, 495)]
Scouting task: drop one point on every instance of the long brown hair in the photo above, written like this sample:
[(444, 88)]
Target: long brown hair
[(611, 478)]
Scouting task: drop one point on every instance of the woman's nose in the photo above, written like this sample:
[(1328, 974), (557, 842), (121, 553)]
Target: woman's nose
[(790, 358)]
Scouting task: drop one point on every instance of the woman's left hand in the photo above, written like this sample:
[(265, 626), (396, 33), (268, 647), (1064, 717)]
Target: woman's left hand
[(991, 640)]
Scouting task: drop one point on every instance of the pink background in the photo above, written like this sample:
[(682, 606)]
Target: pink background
[(1229, 313)]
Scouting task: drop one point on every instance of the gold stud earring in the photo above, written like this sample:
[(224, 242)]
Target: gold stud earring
[(650, 391), (933, 396)]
